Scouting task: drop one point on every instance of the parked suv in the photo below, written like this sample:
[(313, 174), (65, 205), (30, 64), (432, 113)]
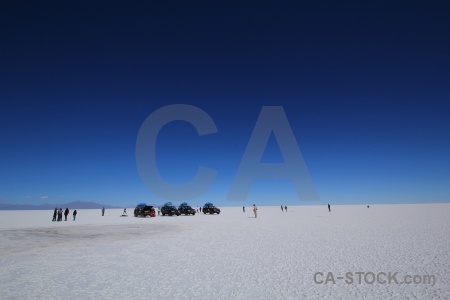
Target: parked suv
[(169, 209), (185, 209), (143, 210), (210, 208)]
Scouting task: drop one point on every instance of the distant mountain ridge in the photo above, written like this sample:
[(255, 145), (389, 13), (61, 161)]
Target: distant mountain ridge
[(46, 206)]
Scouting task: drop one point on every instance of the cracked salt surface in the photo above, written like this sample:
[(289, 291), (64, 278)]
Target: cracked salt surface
[(226, 256)]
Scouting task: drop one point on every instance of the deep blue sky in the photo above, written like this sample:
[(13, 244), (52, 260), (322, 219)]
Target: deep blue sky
[(365, 86)]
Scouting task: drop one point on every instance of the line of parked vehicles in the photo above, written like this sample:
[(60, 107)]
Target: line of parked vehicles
[(144, 210)]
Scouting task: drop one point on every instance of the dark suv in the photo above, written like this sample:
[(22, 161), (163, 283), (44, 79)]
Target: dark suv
[(143, 210), (210, 208), (169, 209), (185, 209)]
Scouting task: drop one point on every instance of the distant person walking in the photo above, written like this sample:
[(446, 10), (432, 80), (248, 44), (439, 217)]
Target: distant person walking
[(60, 213), (281, 207), (103, 211), (285, 208), (55, 213), (243, 208), (255, 210), (329, 207), (74, 214), (159, 211), (66, 212), (124, 211)]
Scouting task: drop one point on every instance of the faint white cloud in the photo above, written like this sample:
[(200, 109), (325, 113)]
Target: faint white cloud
[(43, 197)]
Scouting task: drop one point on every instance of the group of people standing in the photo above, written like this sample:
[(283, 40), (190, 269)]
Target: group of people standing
[(285, 208), (58, 213)]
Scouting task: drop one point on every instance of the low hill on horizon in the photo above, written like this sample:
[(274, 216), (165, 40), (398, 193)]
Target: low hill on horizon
[(51, 206)]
